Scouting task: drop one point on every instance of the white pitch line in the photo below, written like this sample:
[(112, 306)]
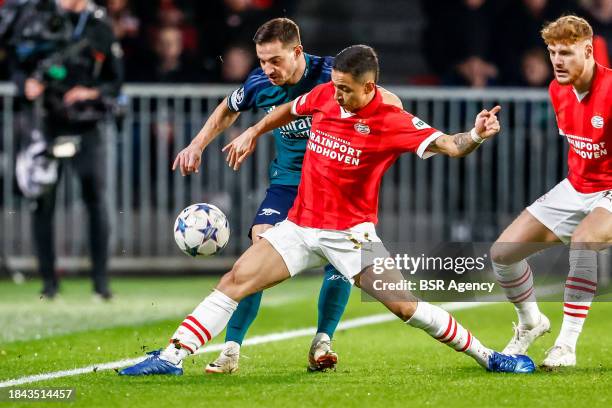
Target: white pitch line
[(266, 338)]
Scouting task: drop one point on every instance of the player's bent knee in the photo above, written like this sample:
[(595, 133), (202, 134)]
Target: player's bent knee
[(236, 283), (582, 238), (501, 254), (240, 274)]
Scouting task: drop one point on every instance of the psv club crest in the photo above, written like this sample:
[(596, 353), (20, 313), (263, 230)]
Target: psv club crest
[(597, 122), (362, 128)]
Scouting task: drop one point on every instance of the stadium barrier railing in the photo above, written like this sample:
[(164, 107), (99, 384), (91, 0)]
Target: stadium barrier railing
[(438, 199)]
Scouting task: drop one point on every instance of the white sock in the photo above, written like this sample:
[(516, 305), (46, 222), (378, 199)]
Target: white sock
[(205, 322), (517, 282), (580, 288), (231, 345), (439, 324), (321, 337)]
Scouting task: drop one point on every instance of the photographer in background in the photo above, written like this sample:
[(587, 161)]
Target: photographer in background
[(66, 64)]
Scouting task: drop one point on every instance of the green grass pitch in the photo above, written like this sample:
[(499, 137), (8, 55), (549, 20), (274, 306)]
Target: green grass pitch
[(387, 364)]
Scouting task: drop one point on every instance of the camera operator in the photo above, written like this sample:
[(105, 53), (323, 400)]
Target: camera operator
[(67, 67)]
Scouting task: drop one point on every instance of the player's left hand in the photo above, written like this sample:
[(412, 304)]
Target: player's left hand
[(80, 93), (240, 148), (486, 124)]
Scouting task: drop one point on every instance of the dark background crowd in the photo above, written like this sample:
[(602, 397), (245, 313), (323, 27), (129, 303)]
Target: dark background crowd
[(424, 42)]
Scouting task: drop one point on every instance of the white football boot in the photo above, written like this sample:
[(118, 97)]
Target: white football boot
[(559, 356), (227, 362), (321, 357), (524, 337)]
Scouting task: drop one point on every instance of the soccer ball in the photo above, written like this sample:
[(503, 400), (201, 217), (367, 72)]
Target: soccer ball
[(201, 230)]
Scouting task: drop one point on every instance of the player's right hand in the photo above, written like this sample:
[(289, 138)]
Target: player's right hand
[(240, 148), (188, 160)]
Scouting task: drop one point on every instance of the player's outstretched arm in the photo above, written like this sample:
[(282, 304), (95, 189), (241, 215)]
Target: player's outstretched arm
[(242, 146), (188, 160), (462, 144)]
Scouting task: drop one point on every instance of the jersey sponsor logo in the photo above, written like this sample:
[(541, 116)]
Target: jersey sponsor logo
[(269, 211), (297, 129), (362, 128), (597, 122), (419, 124), (585, 148), (333, 147)]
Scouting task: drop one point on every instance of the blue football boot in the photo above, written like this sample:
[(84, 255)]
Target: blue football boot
[(153, 365), (510, 363)]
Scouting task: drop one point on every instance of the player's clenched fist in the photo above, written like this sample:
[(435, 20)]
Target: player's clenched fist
[(188, 160), (486, 124), (240, 148)]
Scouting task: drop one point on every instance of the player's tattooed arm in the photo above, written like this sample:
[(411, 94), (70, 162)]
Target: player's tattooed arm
[(486, 125), (458, 145)]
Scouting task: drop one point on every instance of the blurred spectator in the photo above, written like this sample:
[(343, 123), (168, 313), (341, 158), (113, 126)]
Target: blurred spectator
[(170, 14), (169, 63), (226, 22), (460, 40), (238, 61), (126, 27), (535, 68), (517, 33), (154, 14), (476, 72), (125, 24), (599, 14)]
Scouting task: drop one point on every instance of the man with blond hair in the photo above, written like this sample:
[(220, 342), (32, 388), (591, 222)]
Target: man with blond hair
[(578, 210)]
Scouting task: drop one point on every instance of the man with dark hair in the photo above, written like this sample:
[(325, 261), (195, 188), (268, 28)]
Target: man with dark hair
[(358, 60), (278, 29), (356, 135), (286, 72)]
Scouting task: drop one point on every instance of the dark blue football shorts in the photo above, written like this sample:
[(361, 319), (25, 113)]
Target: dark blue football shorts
[(275, 206)]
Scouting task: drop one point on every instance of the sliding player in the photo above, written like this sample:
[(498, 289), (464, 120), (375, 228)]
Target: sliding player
[(355, 137)]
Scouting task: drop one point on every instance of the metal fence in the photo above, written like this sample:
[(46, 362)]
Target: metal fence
[(436, 199)]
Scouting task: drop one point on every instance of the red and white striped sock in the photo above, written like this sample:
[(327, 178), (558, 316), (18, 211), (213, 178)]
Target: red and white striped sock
[(580, 288), (516, 280), (205, 322), (439, 324)]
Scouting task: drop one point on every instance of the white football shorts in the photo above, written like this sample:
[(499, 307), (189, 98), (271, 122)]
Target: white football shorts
[(303, 248), (563, 208)]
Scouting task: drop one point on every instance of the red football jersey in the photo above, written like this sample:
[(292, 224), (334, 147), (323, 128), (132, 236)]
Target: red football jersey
[(586, 121), (347, 155)]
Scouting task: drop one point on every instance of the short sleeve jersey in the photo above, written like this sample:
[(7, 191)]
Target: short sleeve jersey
[(347, 155), (586, 121), (290, 140)]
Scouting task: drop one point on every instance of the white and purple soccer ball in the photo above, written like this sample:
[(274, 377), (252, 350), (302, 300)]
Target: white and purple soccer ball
[(201, 230)]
